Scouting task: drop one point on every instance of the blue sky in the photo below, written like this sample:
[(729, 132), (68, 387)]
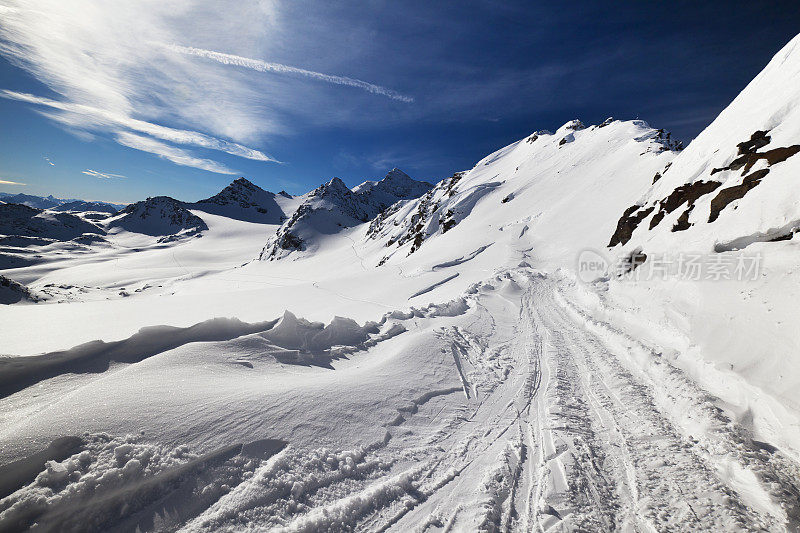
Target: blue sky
[(120, 101)]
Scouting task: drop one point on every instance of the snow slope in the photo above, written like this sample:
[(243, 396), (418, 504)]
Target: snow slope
[(441, 363)]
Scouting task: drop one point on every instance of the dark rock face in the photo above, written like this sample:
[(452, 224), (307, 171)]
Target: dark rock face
[(748, 156), (729, 194), (688, 193), (758, 139), (628, 222), (684, 194)]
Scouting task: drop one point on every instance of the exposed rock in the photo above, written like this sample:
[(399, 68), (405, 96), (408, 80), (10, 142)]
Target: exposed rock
[(729, 194), (684, 194), (628, 222)]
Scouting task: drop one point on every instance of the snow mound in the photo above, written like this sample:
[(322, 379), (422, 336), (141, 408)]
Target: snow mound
[(23, 221), (12, 292), (16, 373), (298, 334), (160, 216), (243, 200)]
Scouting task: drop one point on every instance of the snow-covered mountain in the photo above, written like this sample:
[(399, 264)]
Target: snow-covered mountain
[(460, 357), (80, 206), (19, 220), (736, 182), (395, 186), (58, 204), (562, 190), (243, 200), (39, 202), (160, 216), (333, 206)]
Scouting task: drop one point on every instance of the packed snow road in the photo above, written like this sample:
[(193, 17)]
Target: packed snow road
[(589, 431), (527, 414)]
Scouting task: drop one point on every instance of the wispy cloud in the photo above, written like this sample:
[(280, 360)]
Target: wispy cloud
[(102, 175), (8, 182), (80, 114), (170, 153), (266, 66), (49, 162), (98, 58)]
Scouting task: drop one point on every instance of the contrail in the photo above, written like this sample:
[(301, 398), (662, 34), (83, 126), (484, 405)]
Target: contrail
[(264, 66)]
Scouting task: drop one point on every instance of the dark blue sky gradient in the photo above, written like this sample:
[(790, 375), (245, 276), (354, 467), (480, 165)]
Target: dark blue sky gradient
[(483, 74)]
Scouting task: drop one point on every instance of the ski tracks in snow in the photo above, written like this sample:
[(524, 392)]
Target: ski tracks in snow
[(564, 424)]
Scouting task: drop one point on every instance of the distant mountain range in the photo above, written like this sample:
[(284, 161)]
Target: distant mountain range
[(58, 204)]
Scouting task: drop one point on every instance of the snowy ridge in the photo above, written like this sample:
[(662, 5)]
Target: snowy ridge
[(540, 172), (736, 179), (333, 206), (243, 200), (80, 206), (160, 216), (51, 202)]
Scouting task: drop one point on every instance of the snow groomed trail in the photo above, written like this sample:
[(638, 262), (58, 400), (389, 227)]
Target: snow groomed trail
[(561, 424)]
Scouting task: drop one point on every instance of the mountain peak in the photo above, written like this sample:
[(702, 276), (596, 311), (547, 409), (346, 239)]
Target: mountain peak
[(396, 174), (244, 200)]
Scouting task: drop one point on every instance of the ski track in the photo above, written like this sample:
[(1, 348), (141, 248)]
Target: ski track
[(565, 424)]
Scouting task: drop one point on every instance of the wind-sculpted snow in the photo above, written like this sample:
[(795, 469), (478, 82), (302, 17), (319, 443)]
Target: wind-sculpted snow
[(17, 373), (531, 387)]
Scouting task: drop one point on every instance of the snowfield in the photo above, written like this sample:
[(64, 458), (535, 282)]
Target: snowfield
[(515, 348)]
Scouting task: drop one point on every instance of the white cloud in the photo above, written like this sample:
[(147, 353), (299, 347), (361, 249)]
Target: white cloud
[(101, 175), (86, 116), (170, 153), (266, 66), (49, 162), (96, 57), (110, 75), (7, 182)]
